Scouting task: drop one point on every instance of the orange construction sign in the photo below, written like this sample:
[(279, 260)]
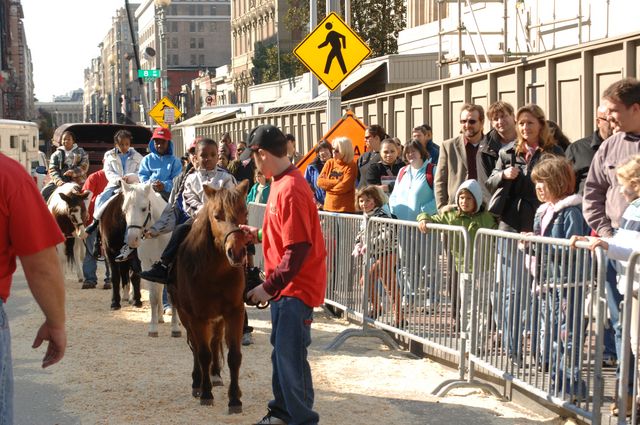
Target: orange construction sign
[(349, 126)]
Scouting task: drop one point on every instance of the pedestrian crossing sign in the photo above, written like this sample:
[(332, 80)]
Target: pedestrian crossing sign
[(332, 51)]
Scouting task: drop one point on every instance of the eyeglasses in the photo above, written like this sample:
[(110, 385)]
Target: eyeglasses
[(240, 150), (469, 121), (601, 118)]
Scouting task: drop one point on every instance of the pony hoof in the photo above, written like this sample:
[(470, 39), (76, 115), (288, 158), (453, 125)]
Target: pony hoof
[(206, 402), (153, 334), (195, 392), (137, 304), (107, 285), (216, 381), (235, 409), (176, 334), (115, 307)]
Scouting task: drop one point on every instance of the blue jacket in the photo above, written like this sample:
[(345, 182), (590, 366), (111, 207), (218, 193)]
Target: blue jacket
[(434, 152), (412, 194), (160, 167), (311, 176), (567, 221)]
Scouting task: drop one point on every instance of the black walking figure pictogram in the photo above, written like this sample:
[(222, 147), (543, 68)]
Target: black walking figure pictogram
[(333, 38)]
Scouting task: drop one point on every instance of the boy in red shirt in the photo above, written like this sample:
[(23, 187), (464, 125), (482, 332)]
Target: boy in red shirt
[(295, 266)]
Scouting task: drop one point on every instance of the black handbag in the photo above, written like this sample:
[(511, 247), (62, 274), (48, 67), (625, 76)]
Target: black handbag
[(500, 197)]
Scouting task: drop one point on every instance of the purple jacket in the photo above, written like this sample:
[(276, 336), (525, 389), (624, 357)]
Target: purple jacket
[(603, 204)]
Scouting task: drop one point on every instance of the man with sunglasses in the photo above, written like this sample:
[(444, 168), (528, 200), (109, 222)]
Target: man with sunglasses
[(458, 156)]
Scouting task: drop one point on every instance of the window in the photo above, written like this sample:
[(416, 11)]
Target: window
[(212, 10), (174, 42), (201, 60), (174, 26), (175, 59), (213, 26), (192, 43), (192, 27), (201, 26), (201, 43), (192, 9), (13, 142), (193, 60), (200, 10)]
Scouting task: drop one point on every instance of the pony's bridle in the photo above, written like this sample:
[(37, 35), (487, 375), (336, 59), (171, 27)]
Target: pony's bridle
[(144, 225), (229, 233)]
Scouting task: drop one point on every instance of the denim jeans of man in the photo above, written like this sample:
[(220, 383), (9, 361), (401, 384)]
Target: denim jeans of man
[(508, 314), (614, 298), (90, 264), (291, 380), (6, 370)]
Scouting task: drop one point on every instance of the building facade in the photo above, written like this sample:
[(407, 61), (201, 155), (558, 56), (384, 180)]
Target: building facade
[(16, 76), (64, 110), (254, 21), (196, 38)]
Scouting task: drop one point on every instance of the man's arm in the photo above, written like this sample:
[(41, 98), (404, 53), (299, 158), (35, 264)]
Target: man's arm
[(595, 197), (46, 283), (441, 178)]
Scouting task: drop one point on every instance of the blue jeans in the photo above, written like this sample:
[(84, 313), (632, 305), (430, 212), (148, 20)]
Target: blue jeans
[(291, 380), (614, 298), (508, 314), (165, 297), (89, 264), (6, 370)]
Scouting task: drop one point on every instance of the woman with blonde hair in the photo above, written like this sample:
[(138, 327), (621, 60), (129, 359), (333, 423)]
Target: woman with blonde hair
[(338, 177), (512, 173)]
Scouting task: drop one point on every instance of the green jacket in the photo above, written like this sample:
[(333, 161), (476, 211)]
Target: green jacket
[(480, 220)]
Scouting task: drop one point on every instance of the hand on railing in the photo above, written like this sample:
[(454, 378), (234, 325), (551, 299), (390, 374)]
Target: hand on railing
[(592, 241)]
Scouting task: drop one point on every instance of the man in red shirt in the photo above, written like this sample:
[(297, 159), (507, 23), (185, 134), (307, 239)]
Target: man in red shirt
[(96, 182), (28, 230), (294, 256)]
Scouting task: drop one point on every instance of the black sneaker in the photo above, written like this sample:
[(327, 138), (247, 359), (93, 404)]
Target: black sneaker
[(269, 419), (158, 273)]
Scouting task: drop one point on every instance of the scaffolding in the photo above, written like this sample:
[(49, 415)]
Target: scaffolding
[(528, 38)]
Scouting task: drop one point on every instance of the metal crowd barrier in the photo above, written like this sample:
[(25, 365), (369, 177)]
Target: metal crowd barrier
[(256, 219), (530, 324), (630, 339)]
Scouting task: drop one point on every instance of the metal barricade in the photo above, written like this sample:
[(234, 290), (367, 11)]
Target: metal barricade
[(630, 339), (256, 219), (530, 324), (411, 284)]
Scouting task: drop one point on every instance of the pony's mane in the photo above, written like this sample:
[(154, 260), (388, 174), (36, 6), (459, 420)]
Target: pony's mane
[(56, 204), (224, 205)]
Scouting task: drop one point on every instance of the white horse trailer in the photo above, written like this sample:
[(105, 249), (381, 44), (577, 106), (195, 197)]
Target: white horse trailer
[(19, 141)]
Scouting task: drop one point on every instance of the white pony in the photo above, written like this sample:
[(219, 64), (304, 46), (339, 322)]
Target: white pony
[(68, 205), (142, 207)]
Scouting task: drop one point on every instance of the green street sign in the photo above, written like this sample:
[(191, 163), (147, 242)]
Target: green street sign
[(148, 73)]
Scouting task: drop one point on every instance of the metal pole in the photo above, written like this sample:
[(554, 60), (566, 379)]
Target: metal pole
[(334, 98), (113, 91), (460, 59), (163, 56), (313, 21), (505, 39), (136, 55)]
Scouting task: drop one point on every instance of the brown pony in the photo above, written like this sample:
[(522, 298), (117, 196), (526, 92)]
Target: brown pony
[(113, 226), (208, 290)]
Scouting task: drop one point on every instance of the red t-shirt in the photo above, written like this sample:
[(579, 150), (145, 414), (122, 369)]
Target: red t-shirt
[(96, 182), (26, 225), (291, 217)]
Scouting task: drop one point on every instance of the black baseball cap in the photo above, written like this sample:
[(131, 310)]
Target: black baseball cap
[(267, 137)]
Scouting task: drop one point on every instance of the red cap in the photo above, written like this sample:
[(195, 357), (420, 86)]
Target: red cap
[(161, 133)]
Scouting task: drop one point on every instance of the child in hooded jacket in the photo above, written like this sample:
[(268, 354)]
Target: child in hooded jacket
[(469, 213), (557, 286)]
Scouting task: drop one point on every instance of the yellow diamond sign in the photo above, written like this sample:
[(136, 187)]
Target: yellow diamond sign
[(332, 51), (165, 112)]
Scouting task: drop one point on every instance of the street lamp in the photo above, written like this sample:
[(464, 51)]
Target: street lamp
[(161, 6), (112, 63)]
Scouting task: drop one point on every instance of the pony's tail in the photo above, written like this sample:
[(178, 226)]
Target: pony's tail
[(68, 250)]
